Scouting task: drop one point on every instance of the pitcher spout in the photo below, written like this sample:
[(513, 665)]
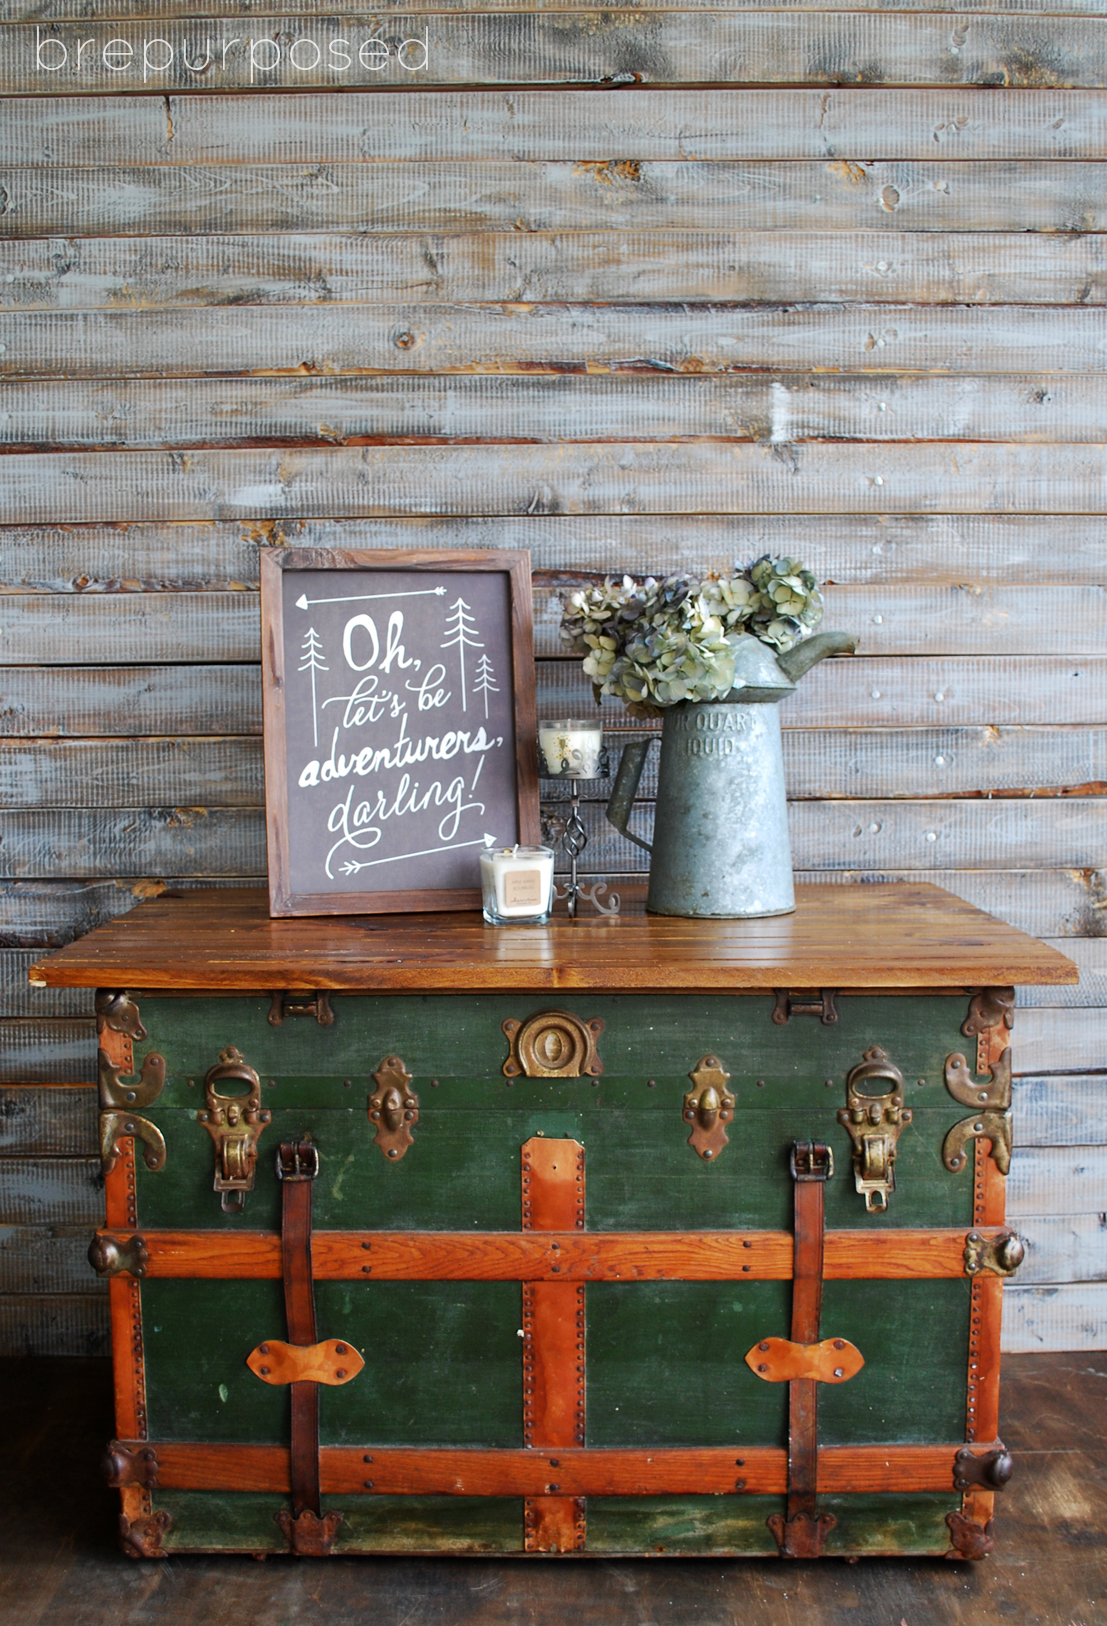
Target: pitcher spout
[(806, 654)]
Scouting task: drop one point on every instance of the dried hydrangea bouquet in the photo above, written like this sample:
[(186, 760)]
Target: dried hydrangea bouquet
[(709, 654)]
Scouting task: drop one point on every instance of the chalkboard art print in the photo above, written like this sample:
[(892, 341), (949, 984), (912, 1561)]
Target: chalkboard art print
[(399, 725)]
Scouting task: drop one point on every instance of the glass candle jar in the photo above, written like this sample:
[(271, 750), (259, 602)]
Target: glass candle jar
[(516, 885), (570, 749)]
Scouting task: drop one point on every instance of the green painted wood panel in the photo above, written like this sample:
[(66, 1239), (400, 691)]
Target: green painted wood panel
[(463, 1170)]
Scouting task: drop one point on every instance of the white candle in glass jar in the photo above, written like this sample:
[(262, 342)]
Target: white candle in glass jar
[(517, 884), (571, 748)]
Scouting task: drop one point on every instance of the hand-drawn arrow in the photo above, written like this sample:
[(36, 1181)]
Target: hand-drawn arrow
[(304, 603)]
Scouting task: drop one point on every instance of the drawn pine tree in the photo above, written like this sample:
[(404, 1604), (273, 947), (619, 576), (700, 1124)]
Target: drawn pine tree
[(312, 652), (485, 682), (461, 630)]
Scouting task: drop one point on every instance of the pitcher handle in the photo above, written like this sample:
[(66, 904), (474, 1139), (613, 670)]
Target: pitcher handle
[(625, 788)]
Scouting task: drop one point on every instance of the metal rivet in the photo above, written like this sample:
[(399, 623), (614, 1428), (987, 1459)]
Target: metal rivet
[(762, 1367), (340, 1349), (340, 1372), (763, 1346), (263, 1349), (392, 1152), (264, 1370), (651, 1083), (839, 1372), (708, 1152)]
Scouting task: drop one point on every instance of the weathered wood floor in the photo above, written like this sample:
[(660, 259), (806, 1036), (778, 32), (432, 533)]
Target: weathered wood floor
[(59, 1564)]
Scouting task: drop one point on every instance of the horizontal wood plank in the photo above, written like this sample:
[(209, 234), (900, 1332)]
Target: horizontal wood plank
[(18, 998), (492, 1471), (44, 1120), (819, 764), (847, 549), (36, 702), (134, 700), (60, 10), (845, 836), (584, 126), (50, 913), (131, 773), (617, 194), (861, 835), (86, 843), (51, 1191), (48, 629), (48, 1050), (1050, 1180), (587, 48), (909, 691), (1052, 1040), (517, 1256), (326, 412), (47, 1259), (1069, 1317), (816, 477), (39, 629), (560, 338), (324, 268), (1062, 1249), (54, 1324), (1062, 1111)]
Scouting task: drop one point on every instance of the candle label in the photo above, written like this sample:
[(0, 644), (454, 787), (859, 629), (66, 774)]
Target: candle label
[(523, 890)]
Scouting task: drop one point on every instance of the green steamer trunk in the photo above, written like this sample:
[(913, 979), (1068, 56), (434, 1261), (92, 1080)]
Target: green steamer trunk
[(494, 1272)]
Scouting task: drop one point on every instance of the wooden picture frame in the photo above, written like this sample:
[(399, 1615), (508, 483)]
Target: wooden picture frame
[(300, 826)]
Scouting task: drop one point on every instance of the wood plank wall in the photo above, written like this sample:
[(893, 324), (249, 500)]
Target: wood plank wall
[(639, 291)]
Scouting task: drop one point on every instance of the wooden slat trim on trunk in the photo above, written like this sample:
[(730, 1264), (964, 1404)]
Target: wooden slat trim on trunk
[(558, 1256), (673, 1471), (553, 1344)]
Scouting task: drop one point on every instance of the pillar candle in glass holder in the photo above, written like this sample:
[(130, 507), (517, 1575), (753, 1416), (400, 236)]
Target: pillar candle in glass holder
[(517, 885), (570, 749)]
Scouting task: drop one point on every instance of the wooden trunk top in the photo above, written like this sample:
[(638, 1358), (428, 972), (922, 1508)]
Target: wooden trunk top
[(892, 935)]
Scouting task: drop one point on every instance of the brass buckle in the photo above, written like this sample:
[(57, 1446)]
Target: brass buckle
[(873, 1122), (234, 1123)]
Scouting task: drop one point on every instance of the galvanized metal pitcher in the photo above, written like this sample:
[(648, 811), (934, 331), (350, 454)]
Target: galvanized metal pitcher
[(720, 846)]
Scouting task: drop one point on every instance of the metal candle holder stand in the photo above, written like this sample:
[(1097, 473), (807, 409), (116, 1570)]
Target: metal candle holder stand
[(573, 838)]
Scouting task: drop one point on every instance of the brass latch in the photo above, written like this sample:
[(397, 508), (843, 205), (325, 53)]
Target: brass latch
[(992, 1117), (874, 1120), (553, 1044), (990, 1471), (283, 1002), (109, 1255), (393, 1108), (709, 1107), (234, 1123), (997, 1255)]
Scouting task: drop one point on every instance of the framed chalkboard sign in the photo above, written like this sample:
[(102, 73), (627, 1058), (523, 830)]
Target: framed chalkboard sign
[(399, 725)]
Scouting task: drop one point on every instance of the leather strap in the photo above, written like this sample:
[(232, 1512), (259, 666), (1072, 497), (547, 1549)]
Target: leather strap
[(297, 1166), (801, 1533), (810, 1174)]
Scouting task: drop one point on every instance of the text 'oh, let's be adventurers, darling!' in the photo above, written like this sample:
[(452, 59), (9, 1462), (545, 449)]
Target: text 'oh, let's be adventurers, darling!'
[(186, 56)]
